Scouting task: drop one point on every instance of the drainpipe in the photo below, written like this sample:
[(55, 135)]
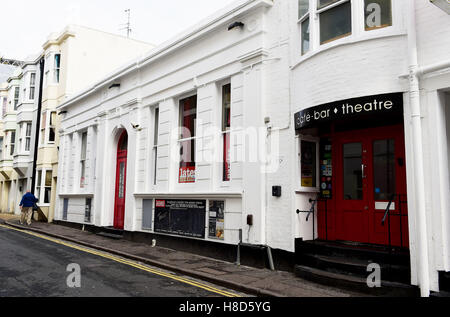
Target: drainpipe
[(419, 179), (38, 123)]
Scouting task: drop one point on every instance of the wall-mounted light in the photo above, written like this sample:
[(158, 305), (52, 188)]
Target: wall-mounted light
[(444, 5), (114, 86), (236, 25)]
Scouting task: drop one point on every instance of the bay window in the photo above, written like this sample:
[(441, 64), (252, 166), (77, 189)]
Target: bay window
[(188, 117)]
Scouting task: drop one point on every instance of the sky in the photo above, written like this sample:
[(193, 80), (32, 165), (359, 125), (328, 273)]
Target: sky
[(26, 24)]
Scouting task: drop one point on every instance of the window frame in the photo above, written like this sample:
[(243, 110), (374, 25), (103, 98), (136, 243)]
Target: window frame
[(156, 145), (12, 143), (192, 139), (16, 97), (42, 174), (225, 131), (83, 158), (316, 140), (28, 137), (32, 86)]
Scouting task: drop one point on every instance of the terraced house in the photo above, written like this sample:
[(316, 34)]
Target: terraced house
[(30, 121)]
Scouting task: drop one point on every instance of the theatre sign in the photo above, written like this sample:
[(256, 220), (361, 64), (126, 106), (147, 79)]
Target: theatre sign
[(363, 107)]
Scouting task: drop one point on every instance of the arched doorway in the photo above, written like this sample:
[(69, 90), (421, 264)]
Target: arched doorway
[(121, 181)]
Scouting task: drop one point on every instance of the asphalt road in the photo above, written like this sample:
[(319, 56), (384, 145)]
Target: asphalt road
[(34, 267)]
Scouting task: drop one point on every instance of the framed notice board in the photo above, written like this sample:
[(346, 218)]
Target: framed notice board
[(181, 217)]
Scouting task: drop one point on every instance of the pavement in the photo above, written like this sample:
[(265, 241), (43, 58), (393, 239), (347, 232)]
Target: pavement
[(258, 282)]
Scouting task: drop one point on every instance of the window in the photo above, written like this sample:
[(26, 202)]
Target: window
[(155, 146), (305, 36), (83, 159), (57, 67), (303, 8), (28, 137), (32, 85), (4, 105), (20, 137), (13, 143), (352, 170), (52, 127), (1, 148), (16, 97), (378, 14), (43, 124), (335, 21), (308, 163), (188, 117), (44, 186), (226, 127), (39, 184), (47, 187), (303, 15)]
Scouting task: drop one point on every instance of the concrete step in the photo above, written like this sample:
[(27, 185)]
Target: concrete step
[(351, 282), (355, 266)]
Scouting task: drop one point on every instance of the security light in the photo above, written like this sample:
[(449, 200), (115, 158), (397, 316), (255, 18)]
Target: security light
[(444, 5), (236, 25)]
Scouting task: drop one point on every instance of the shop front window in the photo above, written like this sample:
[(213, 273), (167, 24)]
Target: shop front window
[(308, 164)]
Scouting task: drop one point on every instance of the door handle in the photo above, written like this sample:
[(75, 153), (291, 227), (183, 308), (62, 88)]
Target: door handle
[(363, 168)]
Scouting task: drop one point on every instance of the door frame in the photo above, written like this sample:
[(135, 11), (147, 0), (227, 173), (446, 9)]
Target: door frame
[(121, 156), (376, 234)]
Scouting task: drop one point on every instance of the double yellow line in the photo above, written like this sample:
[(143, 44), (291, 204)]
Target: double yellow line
[(130, 263)]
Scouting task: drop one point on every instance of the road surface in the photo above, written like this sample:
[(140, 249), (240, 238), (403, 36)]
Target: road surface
[(33, 265)]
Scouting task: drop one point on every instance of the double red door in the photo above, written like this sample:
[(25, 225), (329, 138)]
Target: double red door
[(368, 169), (121, 182)]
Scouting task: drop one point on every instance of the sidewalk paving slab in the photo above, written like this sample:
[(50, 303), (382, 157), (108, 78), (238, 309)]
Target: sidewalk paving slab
[(259, 282)]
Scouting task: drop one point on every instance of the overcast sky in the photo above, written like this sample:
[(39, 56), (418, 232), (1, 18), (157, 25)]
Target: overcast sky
[(26, 24)]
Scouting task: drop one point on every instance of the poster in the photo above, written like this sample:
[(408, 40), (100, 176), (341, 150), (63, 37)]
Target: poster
[(181, 217), (217, 220)]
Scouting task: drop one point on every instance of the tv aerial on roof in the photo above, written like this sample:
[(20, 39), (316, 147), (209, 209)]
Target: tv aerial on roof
[(11, 62)]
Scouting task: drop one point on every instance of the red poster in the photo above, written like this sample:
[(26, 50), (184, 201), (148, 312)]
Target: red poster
[(187, 175)]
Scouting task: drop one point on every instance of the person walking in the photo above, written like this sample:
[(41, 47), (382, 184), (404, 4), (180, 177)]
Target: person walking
[(26, 205)]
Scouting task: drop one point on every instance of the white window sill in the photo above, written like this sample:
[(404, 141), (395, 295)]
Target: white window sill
[(305, 190)]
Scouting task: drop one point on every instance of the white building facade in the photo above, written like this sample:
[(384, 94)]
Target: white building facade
[(224, 132)]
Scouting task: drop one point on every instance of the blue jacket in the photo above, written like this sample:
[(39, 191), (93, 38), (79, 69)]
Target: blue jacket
[(28, 200)]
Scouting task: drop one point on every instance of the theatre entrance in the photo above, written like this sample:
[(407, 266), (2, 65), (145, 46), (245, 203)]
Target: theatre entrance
[(363, 187)]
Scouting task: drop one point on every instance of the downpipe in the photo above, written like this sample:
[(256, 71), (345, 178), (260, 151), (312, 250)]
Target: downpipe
[(419, 179)]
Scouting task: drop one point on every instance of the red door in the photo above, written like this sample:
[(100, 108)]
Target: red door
[(121, 182), (369, 170)]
